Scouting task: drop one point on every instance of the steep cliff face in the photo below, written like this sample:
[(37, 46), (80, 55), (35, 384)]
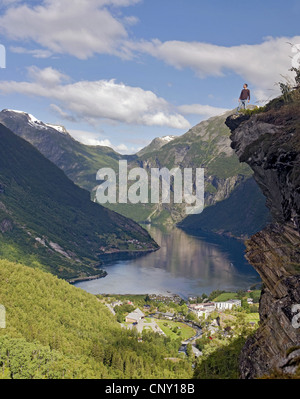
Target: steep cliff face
[(206, 145), (270, 143)]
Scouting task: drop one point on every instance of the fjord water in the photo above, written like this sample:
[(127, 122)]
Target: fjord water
[(184, 265)]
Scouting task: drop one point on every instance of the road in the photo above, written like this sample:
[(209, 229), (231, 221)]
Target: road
[(196, 336)]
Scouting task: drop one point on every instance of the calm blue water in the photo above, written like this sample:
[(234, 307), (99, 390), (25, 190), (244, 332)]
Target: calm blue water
[(184, 265)]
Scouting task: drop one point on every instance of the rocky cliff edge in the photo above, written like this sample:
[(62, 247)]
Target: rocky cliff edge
[(269, 142)]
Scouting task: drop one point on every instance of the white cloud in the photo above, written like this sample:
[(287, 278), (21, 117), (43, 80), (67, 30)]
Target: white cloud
[(64, 115), (131, 20), (47, 76), (261, 65), (6, 3), (92, 138), (95, 100), (122, 148), (77, 27), (83, 28), (36, 53), (89, 138), (198, 109), (9, 2)]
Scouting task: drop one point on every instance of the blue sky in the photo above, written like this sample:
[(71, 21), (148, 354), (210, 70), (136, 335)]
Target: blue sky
[(122, 72)]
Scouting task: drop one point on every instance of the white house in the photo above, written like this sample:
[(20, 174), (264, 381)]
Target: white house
[(228, 304), (203, 309)]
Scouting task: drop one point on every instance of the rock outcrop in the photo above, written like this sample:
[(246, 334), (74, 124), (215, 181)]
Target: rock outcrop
[(269, 143)]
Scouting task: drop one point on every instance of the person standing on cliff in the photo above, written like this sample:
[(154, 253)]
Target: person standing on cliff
[(245, 95)]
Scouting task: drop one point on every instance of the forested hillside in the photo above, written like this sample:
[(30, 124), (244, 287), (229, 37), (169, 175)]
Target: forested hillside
[(206, 145), (54, 330), (49, 222)]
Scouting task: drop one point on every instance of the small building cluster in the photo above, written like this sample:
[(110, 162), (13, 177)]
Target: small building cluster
[(206, 308), (166, 315), (137, 319), (228, 304)]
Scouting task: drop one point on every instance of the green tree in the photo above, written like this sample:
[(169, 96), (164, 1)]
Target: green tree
[(240, 294), (245, 305), (189, 351), (192, 317)]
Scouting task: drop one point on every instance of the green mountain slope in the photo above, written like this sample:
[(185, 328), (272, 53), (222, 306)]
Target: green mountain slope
[(242, 214), (79, 162), (55, 330), (207, 145), (45, 219), (155, 145)]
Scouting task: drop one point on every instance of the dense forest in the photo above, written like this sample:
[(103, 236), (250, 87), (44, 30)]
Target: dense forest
[(55, 330)]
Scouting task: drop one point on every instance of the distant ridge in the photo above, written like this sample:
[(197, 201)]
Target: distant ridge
[(156, 144), (47, 221)]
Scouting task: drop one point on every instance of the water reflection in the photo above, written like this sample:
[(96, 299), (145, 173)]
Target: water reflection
[(184, 265)]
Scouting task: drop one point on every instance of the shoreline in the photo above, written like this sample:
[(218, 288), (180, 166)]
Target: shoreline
[(87, 278), (107, 258), (124, 255), (207, 233)]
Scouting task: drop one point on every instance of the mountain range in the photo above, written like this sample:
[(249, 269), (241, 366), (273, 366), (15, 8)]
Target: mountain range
[(47, 221), (55, 330), (207, 145), (78, 161)]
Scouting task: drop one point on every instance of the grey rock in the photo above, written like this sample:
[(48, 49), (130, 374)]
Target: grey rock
[(269, 143)]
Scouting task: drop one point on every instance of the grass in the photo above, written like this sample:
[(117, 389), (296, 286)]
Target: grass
[(251, 112), (225, 297), (168, 326), (231, 317), (252, 317)]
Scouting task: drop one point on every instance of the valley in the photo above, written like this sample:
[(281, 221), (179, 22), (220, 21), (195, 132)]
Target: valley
[(49, 222), (206, 145), (76, 330)]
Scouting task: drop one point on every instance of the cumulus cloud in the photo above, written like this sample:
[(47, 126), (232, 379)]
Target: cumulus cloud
[(261, 64), (84, 28), (92, 138), (89, 138), (94, 100), (5, 3), (47, 76), (36, 53), (204, 110), (64, 115), (77, 27)]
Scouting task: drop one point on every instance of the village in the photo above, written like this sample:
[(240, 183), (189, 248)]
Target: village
[(184, 320)]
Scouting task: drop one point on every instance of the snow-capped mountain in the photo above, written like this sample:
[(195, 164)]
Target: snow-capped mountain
[(31, 120), (156, 144), (80, 162)]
